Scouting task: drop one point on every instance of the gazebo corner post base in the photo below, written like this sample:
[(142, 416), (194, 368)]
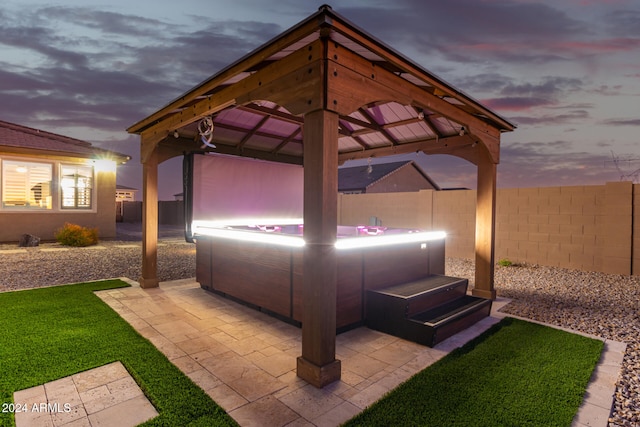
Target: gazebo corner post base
[(485, 293), (318, 376), (148, 283)]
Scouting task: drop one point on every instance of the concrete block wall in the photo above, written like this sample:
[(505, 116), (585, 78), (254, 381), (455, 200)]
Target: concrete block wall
[(405, 210), (551, 226), (455, 213), (616, 228), (635, 258), (593, 228)]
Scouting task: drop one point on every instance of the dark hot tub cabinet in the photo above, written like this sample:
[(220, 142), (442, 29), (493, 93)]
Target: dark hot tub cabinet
[(395, 285), (246, 219)]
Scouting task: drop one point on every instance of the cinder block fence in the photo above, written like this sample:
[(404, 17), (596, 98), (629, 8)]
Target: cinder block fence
[(592, 228)]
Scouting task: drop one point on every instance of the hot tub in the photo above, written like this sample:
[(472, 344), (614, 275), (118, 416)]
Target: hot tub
[(261, 264)]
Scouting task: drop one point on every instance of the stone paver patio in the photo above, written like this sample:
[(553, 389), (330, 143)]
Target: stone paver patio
[(245, 360), (104, 396)]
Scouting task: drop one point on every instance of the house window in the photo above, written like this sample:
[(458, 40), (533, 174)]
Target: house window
[(76, 186), (26, 185)]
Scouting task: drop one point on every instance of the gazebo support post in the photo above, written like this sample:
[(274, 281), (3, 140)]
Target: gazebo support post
[(149, 277), (485, 228), (317, 364)]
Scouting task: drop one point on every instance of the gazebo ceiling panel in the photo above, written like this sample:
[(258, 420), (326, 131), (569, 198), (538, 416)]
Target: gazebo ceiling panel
[(279, 128), (375, 140), (390, 112), (446, 126), (239, 118), (347, 144), (412, 132), (227, 136), (262, 143), (292, 148)]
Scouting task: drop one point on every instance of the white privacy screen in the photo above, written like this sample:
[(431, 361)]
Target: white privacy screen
[(227, 189)]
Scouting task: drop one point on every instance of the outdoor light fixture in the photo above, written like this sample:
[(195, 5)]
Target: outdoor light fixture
[(104, 165), (420, 114), (252, 236), (176, 134), (245, 221), (462, 131), (271, 234), (391, 239)]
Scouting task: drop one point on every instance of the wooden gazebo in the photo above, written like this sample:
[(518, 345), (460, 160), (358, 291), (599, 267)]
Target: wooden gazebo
[(319, 94)]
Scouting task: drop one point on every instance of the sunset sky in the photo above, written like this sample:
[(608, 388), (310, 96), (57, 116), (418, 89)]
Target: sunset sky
[(567, 72)]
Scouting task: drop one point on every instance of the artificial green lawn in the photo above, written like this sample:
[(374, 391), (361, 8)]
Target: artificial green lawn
[(51, 333), (515, 374)]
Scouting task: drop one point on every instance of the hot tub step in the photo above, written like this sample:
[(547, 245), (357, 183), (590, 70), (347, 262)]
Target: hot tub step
[(442, 322), (408, 299), (426, 311)]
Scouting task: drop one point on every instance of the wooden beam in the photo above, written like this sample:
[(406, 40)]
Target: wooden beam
[(149, 278), (485, 228), (318, 364), (288, 117), (449, 145), (358, 122), (379, 128), (257, 154), (253, 131), (151, 137), (169, 151), (287, 140)]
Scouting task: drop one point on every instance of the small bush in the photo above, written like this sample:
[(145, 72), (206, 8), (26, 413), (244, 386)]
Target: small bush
[(76, 235), (505, 263)]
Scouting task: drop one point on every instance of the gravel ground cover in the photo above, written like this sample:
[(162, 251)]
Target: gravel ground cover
[(53, 264), (604, 305)]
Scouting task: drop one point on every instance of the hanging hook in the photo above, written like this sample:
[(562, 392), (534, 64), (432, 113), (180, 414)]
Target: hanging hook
[(205, 129)]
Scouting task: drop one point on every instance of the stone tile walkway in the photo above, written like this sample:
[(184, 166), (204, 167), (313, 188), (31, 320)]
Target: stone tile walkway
[(245, 360), (104, 396)]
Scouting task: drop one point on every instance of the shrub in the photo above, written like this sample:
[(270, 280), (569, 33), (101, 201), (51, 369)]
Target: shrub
[(76, 235), (504, 262)]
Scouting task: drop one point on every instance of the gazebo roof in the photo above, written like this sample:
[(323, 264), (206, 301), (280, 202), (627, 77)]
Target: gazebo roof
[(253, 118)]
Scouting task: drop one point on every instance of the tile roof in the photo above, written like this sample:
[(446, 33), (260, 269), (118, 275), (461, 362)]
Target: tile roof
[(29, 139)]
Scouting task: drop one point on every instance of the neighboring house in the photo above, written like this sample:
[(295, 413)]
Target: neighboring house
[(49, 179), (384, 178), (125, 194)]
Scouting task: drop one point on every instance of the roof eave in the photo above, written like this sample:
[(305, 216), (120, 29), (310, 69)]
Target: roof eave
[(94, 154)]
